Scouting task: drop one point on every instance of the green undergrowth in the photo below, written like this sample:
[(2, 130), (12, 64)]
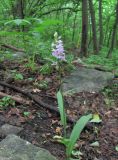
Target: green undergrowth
[(109, 64)]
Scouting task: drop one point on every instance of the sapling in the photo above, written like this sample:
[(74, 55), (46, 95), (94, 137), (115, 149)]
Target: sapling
[(58, 52)]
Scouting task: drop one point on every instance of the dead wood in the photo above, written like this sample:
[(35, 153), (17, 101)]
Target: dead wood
[(17, 99), (39, 102), (12, 48)]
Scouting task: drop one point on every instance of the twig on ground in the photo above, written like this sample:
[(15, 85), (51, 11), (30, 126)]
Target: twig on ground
[(12, 48), (36, 100), (17, 99)]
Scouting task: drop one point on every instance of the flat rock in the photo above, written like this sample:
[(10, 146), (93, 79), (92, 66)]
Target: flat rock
[(7, 129), (15, 148), (85, 79), (2, 158)]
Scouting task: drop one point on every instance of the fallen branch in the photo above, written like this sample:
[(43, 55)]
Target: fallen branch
[(16, 99), (12, 48), (36, 100)]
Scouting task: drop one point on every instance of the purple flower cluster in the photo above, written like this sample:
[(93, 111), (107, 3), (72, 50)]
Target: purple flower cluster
[(58, 50)]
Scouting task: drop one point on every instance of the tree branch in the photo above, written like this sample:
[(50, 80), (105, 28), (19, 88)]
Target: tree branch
[(59, 9), (39, 102), (12, 48), (17, 99)]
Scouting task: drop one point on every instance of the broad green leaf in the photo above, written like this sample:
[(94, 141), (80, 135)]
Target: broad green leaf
[(79, 126), (18, 22), (61, 108)]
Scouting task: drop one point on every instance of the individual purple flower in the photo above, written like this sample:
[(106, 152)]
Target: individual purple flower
[(58, 49)]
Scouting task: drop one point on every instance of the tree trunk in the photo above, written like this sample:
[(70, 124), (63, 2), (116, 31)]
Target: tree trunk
[(84, 39), (100, 25), (114, 33), (92, 12), (18, 9), (74, 27), (107, 30), (109, 37)]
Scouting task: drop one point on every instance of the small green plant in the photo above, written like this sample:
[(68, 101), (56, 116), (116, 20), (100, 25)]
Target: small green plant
[(18, 76), (6, 101), (109, 97), (42, 84), (46, 69), (31, 63), (77, 129), (26, 114)]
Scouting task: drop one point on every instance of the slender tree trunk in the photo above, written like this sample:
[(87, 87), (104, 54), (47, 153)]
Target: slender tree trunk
[(114, 33), (107, 30), (109, 37), (90, 32), (18, 9), (84, 39), (74, 26), (92, 12), (100, 25)]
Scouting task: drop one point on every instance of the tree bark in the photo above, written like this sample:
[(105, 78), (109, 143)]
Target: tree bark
[(18, 9), (107, 30), (109, 37), (84, 38), (114, 33), (100, 25), (93, 21)]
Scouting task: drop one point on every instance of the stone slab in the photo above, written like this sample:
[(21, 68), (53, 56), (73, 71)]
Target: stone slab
[(15, 148), (7, 129), (85, 79)]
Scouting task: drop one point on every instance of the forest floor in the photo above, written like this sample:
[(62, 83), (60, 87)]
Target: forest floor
[(41, 124)]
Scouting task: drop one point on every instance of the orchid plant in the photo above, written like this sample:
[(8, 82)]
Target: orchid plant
[(57, 48), (58, 52)]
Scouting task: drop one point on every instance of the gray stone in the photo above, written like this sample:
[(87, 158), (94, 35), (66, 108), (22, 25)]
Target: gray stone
[(2, 158), (84, 79), (15, 148), (7, 129), (18, 55)]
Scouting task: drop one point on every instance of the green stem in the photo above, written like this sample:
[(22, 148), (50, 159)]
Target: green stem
[(60, 87)]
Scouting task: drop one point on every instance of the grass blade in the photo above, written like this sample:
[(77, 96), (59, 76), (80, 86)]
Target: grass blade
[(61, 108)]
